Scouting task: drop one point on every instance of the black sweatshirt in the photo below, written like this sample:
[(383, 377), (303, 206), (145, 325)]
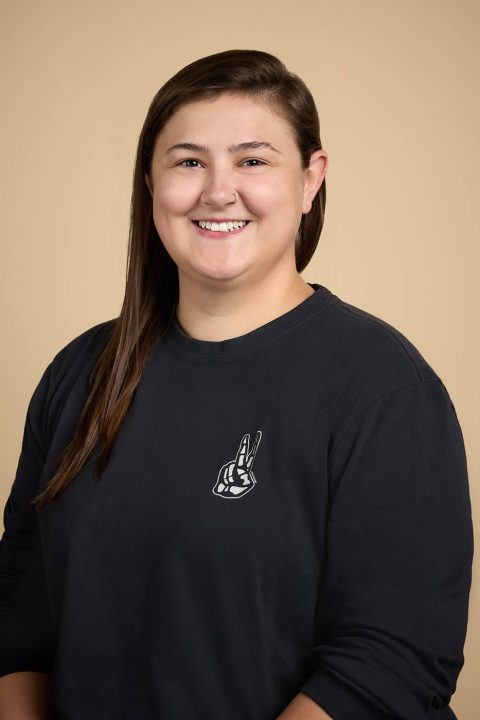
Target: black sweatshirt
[(284, 511)]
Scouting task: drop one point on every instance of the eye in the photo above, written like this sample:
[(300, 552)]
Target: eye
[(188, 160), (256, 161)]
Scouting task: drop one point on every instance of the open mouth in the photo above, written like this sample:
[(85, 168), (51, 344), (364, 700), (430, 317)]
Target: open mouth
[(219, 233), (197, 222)]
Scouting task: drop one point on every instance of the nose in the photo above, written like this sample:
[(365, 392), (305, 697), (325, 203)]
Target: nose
[(219, 188)]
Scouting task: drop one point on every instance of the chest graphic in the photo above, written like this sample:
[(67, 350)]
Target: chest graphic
[(236, 477)]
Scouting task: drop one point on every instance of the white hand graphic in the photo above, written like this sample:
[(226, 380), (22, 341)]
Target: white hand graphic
[(236, 478)]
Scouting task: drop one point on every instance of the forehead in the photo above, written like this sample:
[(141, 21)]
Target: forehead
[(228, 119)]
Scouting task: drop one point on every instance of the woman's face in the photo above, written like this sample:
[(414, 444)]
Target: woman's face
[(265, 186)]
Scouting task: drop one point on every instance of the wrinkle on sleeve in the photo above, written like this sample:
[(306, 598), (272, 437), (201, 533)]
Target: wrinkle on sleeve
[(27, 640), (393, 603)]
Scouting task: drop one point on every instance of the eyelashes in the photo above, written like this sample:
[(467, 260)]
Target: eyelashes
[(255, 160)]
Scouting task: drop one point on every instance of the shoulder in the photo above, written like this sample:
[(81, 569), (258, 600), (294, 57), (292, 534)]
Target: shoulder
[(68, 372), (81, 348), (68, 368), (367, 358), (381, 353)]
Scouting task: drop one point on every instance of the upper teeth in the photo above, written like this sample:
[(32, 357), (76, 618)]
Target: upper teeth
[(223, 226)]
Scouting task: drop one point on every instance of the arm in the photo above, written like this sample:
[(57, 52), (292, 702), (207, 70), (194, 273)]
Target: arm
[(303, 707), (393, 601), (24, 696), (27, 639)]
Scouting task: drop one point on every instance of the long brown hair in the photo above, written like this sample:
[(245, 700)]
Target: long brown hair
[(151, 291)]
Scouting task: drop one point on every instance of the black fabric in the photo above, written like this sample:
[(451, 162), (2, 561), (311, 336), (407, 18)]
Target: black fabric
[(283, 511)]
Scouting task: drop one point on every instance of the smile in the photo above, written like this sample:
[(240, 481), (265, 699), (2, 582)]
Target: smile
[(223, 230)]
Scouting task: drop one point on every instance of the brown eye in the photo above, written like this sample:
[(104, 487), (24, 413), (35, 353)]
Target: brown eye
[(186, 161)]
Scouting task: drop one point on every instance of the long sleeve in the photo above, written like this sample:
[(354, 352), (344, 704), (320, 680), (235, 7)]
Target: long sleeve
[(26, 633), (393, 604)]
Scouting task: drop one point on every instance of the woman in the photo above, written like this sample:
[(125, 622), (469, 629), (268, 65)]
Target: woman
[(243, 498)]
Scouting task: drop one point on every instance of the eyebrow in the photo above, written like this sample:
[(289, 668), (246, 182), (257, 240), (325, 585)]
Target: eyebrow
[(252, 145)]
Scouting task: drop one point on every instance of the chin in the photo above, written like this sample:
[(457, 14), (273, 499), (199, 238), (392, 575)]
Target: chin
[(222, 273)]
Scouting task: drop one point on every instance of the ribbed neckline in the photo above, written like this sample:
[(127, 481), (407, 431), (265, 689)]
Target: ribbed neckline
[(236, 346)]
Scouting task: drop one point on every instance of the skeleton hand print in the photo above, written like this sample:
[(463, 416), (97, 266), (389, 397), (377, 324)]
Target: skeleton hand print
[(236, 478)]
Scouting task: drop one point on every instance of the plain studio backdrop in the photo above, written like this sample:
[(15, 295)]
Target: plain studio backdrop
[(396, 87)]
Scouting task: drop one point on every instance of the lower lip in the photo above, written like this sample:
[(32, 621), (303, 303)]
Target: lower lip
[(218, 234)]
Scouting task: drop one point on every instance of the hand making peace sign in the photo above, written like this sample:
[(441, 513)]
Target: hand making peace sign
[(236, 478)]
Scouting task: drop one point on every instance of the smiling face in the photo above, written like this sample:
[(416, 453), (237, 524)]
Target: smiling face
[(266, 186)]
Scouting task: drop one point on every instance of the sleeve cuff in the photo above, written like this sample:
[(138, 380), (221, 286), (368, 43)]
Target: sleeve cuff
[(340, 700)]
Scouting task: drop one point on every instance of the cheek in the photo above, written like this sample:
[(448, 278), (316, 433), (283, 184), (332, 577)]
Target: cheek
[(174, 196), (278, 197)]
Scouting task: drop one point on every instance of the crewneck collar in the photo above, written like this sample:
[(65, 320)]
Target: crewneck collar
[(234, 347)]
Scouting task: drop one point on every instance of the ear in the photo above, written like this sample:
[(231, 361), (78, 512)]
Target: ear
[(149, 184), (314, 176)]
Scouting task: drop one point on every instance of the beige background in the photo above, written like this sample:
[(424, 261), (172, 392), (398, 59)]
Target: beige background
[(396, 86)]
